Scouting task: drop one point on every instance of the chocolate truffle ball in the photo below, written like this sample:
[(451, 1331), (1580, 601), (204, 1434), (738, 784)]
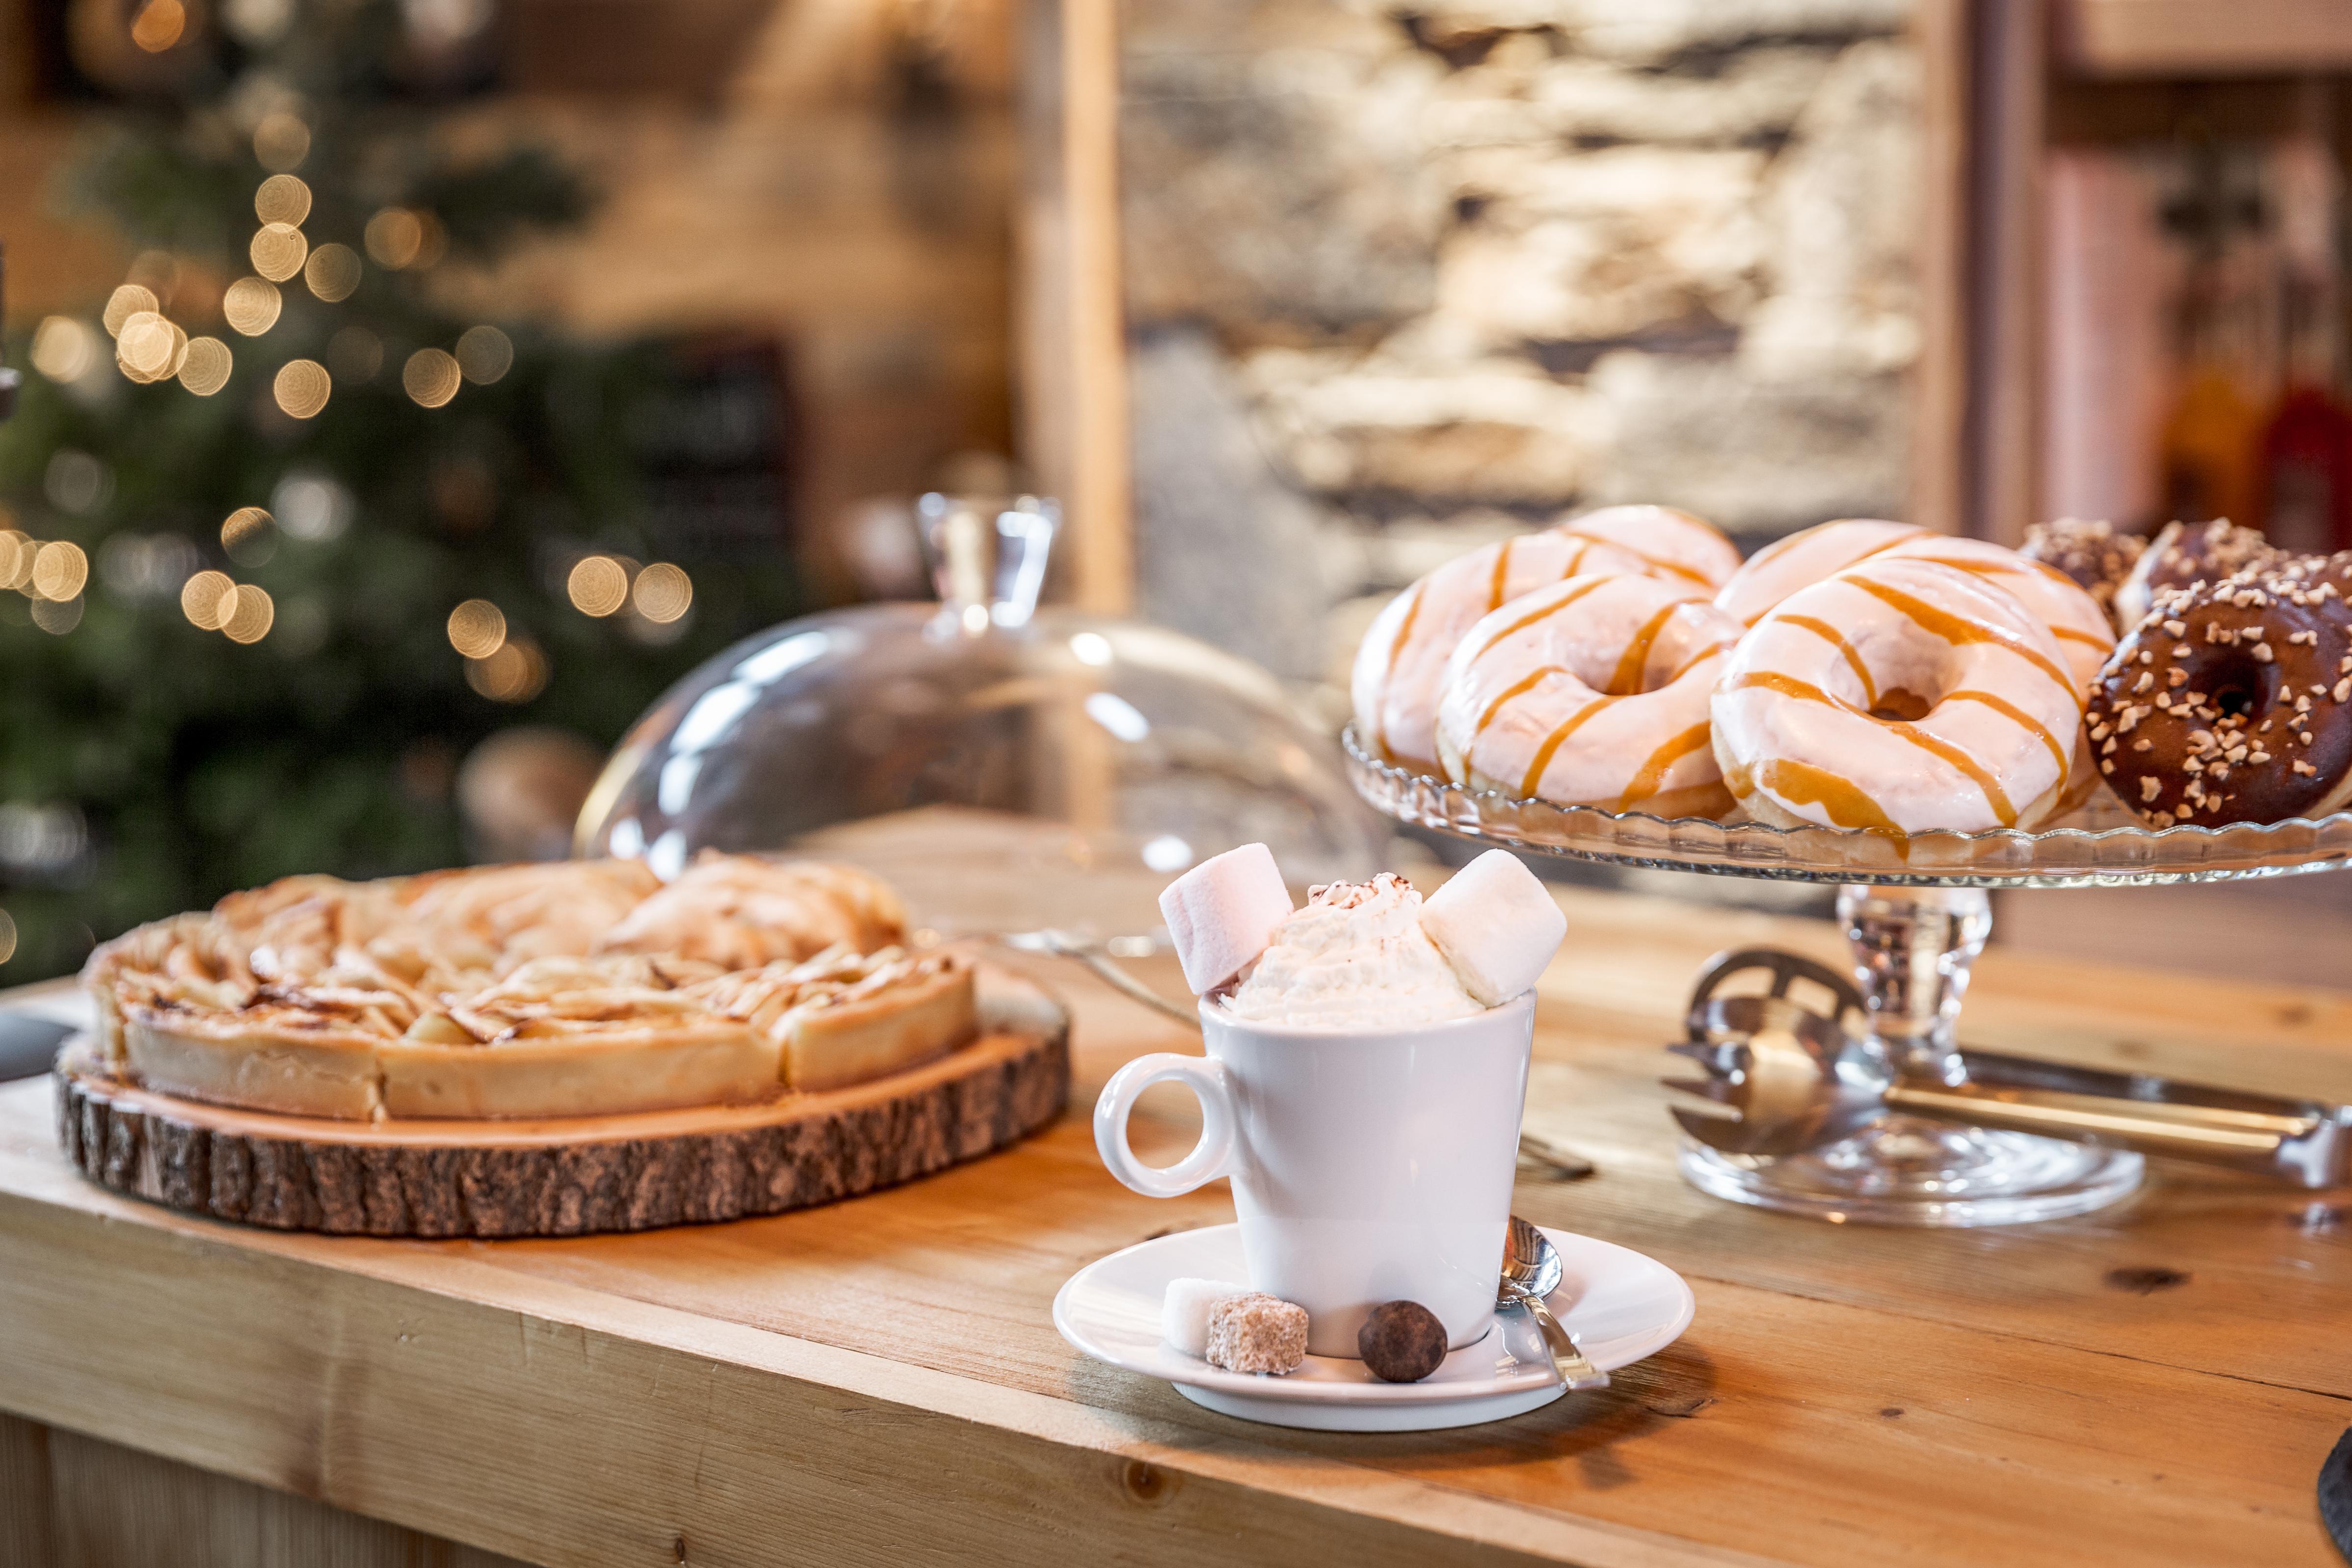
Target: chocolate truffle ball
[(1401, 1342)]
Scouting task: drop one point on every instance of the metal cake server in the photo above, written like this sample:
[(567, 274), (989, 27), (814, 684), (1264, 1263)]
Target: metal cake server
[(1782, 1078)]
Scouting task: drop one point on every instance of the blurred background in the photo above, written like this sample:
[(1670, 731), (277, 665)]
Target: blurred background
[(413, 390)]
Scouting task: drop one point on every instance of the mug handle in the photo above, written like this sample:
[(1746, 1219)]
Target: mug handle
[(1211, 1157)]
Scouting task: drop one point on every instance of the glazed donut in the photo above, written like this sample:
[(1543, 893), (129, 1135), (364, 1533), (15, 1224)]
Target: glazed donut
[(1804, 558), (2073, 617), (2232, 702), (2095, 554), (1590, 692), (1402, 660), (1901, 695), (2188, 552), (1677, 546)]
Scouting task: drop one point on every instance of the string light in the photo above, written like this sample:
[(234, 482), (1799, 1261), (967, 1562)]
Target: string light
[(7, 937), (249, 535), (431, 376), (159, 24), (281, 142), (59, 570), (206, 599), (151, 348), (57, 616), (130, 300), (64, 349), (394, 237), (282, 198), (301, 387), (206, 369), (663, 593), (333, 272), (516, 672), (477, 628), (484, 354), (248, 614), (598, 585), (251, 306), (278, 250), (16, 553)]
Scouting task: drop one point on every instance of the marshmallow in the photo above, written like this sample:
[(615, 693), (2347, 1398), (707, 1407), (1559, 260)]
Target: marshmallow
[(1185, 1312), (1222, 913), (1495, 925)]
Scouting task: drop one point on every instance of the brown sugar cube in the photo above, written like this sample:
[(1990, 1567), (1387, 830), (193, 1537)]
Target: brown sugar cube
[(1257, 1333), (1401, 1342)]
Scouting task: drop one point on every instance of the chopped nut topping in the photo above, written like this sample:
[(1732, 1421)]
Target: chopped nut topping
[(2148, 788)]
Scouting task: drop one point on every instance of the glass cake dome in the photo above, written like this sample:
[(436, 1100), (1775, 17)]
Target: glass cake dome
[(1007, 766)]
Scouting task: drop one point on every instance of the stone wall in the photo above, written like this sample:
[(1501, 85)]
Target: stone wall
[(1399, 279)]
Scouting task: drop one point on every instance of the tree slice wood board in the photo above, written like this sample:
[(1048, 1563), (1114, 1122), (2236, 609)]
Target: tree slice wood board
[(572, 1176)]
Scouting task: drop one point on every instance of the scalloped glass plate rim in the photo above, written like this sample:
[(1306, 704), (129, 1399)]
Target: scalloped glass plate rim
[(2001, 857)]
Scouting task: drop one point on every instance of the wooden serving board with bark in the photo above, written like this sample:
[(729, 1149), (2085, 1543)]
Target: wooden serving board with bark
[(572, 1176)]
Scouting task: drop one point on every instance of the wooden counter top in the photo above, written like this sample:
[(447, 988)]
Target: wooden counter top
[(879, 1381)]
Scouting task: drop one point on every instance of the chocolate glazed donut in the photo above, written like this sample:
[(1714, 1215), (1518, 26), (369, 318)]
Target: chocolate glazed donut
[(2232, 702)]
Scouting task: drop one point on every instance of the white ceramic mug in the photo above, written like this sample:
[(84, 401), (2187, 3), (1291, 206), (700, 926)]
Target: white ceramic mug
[(1369, 1166)]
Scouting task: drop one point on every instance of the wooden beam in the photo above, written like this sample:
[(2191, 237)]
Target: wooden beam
[(2202, 37), (2007, 76), (1939, 387), (1071, 315)]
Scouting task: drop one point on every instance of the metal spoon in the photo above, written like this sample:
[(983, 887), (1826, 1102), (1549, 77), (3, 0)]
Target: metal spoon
[(1567, 1165), (1532, 1270)]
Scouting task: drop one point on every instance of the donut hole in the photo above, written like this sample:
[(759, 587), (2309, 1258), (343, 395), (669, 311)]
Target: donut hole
[(1902, 703), (2238, 688)]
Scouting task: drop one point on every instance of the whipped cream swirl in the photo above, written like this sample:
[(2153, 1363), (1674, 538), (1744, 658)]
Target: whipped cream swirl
[(1354, 957)]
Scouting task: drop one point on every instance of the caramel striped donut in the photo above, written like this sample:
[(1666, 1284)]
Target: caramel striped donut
[(1590, 692), (1677, 546), (1901, 695), (1804, 558), (1401, 663)]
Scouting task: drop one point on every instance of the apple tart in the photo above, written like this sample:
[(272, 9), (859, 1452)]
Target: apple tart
[(581, 988)]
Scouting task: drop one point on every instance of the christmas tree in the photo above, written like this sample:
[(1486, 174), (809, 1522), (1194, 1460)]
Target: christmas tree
[(288, 534)]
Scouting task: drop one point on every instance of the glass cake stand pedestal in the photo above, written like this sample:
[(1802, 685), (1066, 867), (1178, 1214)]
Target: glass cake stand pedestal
[(1917, 911)]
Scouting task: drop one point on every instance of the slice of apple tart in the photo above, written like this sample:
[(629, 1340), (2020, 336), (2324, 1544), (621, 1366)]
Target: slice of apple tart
[(581, 988)]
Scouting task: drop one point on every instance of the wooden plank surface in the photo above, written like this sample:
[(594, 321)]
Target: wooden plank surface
[(880, 1378), (2203, 37)]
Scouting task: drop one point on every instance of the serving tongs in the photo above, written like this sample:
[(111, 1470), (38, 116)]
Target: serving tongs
[(1785, 1078)]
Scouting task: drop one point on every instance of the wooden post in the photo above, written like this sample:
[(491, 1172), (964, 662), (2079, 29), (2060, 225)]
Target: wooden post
[(1940, 388), (2008, 92), (1071, 317)]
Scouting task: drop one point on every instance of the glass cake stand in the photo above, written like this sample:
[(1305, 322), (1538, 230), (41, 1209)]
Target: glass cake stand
[(1917, 913)]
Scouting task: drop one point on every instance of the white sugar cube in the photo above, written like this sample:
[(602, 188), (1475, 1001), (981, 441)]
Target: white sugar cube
[(1222, 913), (1495, 925), (1185, 1312)]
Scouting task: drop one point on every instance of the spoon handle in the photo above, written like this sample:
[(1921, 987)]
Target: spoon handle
[(1575, 1369)]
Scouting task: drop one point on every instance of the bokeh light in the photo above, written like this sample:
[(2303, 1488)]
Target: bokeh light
[(477, 628), (125, 302), (313, 506), (484, 354), (354, 354), (281, 141), (7, 937), (431, 376), (205, 599), (59, 570), (282, 198), (64, 349), (301, 387), (151, 348), (17, 552), (206, 369), (251, 306), (663, 593), (598, 585), (159, 24), (57, 616), (332, 272), (394, 237), (516, 672), (249, 535), (278, 250), (76, 481), (246, 614)]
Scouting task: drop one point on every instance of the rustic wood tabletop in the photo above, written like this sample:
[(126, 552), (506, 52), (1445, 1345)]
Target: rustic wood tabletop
[(880, 1380)]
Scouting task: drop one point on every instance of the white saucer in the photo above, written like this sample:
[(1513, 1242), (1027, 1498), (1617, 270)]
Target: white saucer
[(1620, 1305)]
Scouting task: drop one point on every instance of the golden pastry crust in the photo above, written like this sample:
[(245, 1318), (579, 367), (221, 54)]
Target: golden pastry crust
[(575, 989)]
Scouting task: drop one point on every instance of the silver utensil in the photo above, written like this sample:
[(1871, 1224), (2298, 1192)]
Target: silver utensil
[(1567, 1164), (1783, 1079), (1532, 1270)]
